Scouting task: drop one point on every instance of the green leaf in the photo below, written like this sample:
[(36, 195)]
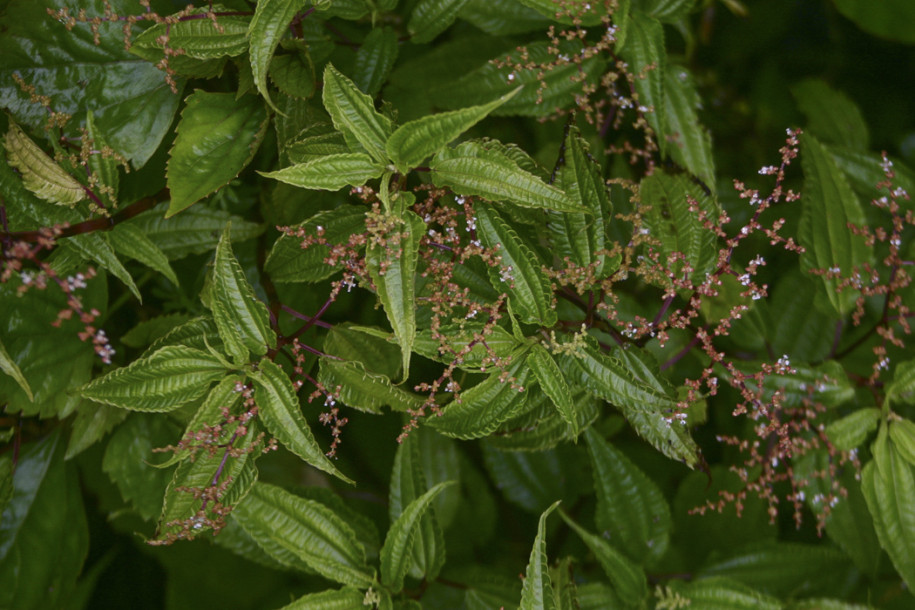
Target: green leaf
[(297, 531), (503, 17), (667, 11), (362, 389), (243, 321), (853, 429), (95, 246), (330, 173), (631, 510), (129, 241), (375, 59), (721, 594), (473, 168), (354, 114), (396, 551), (217, 137), (279, 410), (408, 482), (44, 537), (486, 405), (829, 205), (293, 73), (573, 12), (902, 388), (163, 381), (195, 231), (891, 19), (317, 141), (831, 116), (577, 236), (432, 17), (347, 598), (270, 22), (200, 38), (644, 51), (518, 273), (9, 366), (627, 578), (553, 383), (474, 343), (889, 489), (690, 143), (537, 590), (413, 142), (540, 426), (902, 433), (103, 165), (93, 421), (375, 351), (678, 229), (392, 267)]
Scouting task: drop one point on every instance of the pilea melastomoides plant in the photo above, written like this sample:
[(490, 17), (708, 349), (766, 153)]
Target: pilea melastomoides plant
[(282, 276)]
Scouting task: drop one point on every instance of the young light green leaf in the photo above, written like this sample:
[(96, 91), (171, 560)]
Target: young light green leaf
[(9, 366), (408, 482), (577, 236), (330, 173), (645, 53), (853, 429), (691, 144), (353, 113), (217, 137), (200, 38), (432, 17), (627, 578), (486, 405), (364, 390), (631, 510), (163, 381), (902, 388), (347, 598), (396, 551), (374, 59), (472, 168), (392, 267), (298, 531), (269, 24), (130, 241), (831, 115), (537, 590), (95, 246), (288, 262), (413, 142), (40, 173), (281, 414), (519, 272), (243, 321), (554, 384), (829, 205)]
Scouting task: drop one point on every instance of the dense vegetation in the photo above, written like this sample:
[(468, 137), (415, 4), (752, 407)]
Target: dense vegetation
[(457, 304)]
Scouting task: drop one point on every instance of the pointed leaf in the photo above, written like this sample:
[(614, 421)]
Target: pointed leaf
[(690, 142), (645, 53), (128, 240), (297, 531), (413, 142), (631, 511), (722, 594), (347, 598), (528, 479), (103, 164), (486, 342), (330, 173), (95, 246), (902, 389), (242, 320), (579, 12), (377, 352), (902, 433), (279, 409), (519, 273), (628, 579), (831, 115), (363, 389), (829, 205), (553, 383), (374, 59), (163, 381), (198, 38), (40, 173), (354, 114), (392, 266), (432, 17), (217, 137), (395, 554), (486, 405), (471, 168), (269, 24), (9, 366), (853, 429), (537, 590)]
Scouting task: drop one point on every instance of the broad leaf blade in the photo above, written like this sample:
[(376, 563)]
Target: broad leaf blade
[(432, 17), (267, 27), (354, 114), (279, 410), (554, 384), (163, 381), (217, 137), (537, 590), (330, 173), (374, 59), (362, 389), (395, 553), (197, 38), (472, 168), (297, 531), (412, 142)]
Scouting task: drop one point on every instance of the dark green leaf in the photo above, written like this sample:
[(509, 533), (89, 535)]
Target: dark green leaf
[(644, 51), (297, 532), (217, 137), (432, 17), (690, 143), (537, 590), (293, 73), (902, 389), (831, 116), (553, 383), (853, 429), (374, 59), (95, 247), (200, 38), (330, 173), (892, 19), (575, 11), (93, 421), (347, 598), (362, 389), (269, 24), (503, 17), (354, 114), (720, 594), (474, 344), (128, 240)]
